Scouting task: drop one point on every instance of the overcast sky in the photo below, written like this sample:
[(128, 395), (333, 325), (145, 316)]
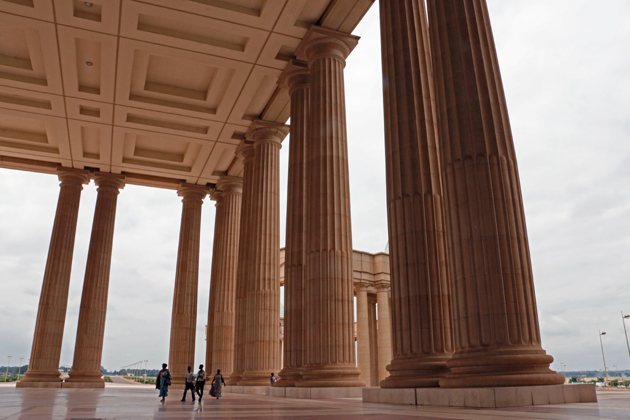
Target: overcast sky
[(566, 69)]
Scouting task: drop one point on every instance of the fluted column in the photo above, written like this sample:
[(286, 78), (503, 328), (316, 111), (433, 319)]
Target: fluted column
[(88, 349), (43, 368), (220, 346), (363, 334), (184, 315), (216, 196), (497, 335), (373, 340), (246, 151), (422, 325), (296, 78), (384, 330), (330, 354), (262, 321)]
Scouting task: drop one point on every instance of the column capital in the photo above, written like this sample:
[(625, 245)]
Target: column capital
[(192, 191), (267, 132), (246, 151), (230, 185), (382, 286), (322, 42), (107, 180), (216, 195), (71, 176), (296, 75), (360, 286)]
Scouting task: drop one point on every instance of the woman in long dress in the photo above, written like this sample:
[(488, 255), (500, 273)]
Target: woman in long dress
[(162, 381), (215, 390)]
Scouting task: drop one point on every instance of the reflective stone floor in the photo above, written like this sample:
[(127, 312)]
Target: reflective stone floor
[(122, 401)]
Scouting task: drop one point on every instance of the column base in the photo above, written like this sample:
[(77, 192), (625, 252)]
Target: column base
[(289, 377), (255, 378), (83, 385), (521, 396), (291, 392), (82, 379), (234, 378), (330, 376), (40, 379), (500, 370), (417, 372)]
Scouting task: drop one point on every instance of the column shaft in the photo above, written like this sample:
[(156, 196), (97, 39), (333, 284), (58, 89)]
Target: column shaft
[(224, 265), (184, 317), (246, 150), (53, 301), (363, 335), (88, 350), (296, 77), (330, 355), (262, 321), (373, 340), (384, 332), (497, 335), (422, 325)]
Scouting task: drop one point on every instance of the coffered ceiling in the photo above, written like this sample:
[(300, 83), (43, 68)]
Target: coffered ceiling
[(162, 91)]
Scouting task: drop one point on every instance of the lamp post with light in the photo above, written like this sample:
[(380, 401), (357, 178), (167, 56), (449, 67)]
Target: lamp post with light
[(601, 343)]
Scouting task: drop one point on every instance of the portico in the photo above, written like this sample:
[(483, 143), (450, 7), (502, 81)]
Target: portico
[(196, 98)]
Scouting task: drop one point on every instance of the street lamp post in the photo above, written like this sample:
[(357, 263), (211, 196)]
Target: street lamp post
[(6, 375), (145, 371), (623, 319), (20, 369), (601, 343)]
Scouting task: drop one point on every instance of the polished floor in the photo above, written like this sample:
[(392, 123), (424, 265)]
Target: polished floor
[(126, 401)]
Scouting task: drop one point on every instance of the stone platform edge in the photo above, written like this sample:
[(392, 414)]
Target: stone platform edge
[(499, 397), (296, 392)]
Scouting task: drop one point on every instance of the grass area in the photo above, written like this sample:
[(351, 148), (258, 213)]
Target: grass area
[(107, 379), (10, 378), (141, 380)]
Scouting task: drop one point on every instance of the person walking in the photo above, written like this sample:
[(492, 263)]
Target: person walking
[(163, 381), (273, 379), (189, 384), (215, 389), (201, 382)]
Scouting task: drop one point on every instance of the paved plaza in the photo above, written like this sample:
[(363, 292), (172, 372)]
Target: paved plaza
[(120, 401)]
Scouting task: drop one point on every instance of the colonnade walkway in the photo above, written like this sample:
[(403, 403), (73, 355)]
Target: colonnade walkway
[(141, 402)]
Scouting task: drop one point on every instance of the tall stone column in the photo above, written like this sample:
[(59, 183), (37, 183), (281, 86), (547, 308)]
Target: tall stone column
[(330, 354), (384, 330), (262, 321), (184, 316), (422, 325), (220, 345), (216, 196), (43, 368), (246, 150), (363, 334), (497, 335), (296, 78), (373, 340), (88, 349)]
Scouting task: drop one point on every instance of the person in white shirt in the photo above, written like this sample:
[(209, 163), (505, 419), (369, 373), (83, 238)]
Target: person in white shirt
[(189, 384)]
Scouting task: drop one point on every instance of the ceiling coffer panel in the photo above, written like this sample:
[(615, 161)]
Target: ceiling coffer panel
[(28, 55)]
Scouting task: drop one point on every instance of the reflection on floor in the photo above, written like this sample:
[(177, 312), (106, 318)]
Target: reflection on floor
[(122, 401)]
